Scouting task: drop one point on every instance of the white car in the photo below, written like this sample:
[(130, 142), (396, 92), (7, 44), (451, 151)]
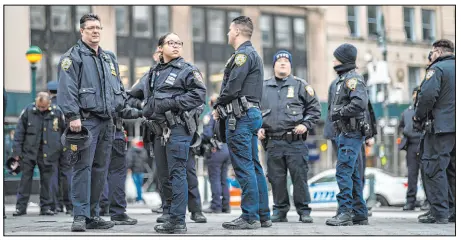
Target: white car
[(390, 190)]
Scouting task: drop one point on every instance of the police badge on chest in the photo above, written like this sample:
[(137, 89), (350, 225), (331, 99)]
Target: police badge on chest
[(171, 78), (291, 92)]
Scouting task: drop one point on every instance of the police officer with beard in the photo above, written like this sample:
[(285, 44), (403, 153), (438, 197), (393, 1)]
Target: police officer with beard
[(174, 92), (294, 110), (347, 112), (435, 114)]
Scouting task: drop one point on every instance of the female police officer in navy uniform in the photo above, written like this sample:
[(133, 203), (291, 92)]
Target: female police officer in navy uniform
[(174, 92)]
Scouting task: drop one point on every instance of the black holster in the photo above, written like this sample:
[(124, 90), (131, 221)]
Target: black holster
[(189, 121)]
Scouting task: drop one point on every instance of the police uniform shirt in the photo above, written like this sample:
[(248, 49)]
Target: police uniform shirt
[(291, 104), (243, 76)]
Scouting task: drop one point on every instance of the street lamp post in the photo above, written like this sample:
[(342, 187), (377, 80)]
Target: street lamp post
[(382, 43), (33, 55)]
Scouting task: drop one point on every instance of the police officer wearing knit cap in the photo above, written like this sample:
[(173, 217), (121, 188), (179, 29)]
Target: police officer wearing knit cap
[(347, 112), (295, 111)]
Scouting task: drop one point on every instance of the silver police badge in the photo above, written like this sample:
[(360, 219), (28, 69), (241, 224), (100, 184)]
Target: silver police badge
[(65, 63)]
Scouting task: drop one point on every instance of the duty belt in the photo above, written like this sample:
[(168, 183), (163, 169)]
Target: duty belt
[(288, 136)]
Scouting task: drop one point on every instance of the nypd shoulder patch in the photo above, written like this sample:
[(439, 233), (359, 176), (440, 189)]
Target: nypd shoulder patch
[(351, 83), (429, 73), (240, 59), (65, 63), (198, 75), (310, 90)]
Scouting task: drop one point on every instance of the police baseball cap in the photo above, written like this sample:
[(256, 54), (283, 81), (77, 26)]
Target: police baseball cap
[(52, 85), (76, 141), (10, 166)]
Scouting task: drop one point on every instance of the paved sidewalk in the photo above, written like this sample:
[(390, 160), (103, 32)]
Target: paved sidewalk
[(383, 222)]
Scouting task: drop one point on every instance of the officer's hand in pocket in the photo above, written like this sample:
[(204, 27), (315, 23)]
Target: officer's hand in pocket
[(300, 129), (75, 125), (261, 134)]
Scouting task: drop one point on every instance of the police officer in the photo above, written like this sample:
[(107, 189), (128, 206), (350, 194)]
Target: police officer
[(61, 182), (174, 92), (347, 112), (410, 143), (161, 164), (435, 113), (218, 165), (241, 92), (116, 168), (293, 112), (330, 132), (37, 142), (90, 94)]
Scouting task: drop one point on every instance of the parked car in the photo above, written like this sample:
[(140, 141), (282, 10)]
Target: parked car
[(390, 190)]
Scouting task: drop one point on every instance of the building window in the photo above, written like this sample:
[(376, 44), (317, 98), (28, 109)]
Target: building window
[(122, 21), (413, 79), (162, 20), (231, 16), (60, 18), (266, 30), (80, 11), (37, 17), (142, 22), (198, 24), (299, 27), (409, 21), (374, 24), (216, 32), (216, 76), (301, 72), (428, 25), (268, 71), (142, 65), (124, 68), (42, 73), (283, 32), (352, 20)]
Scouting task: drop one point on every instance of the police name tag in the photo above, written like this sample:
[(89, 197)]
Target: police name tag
[(171, 78), (291, 92)]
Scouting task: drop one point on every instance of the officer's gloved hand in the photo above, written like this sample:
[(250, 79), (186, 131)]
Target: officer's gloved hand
[(166, 104), (417, 125), (336, 115)]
